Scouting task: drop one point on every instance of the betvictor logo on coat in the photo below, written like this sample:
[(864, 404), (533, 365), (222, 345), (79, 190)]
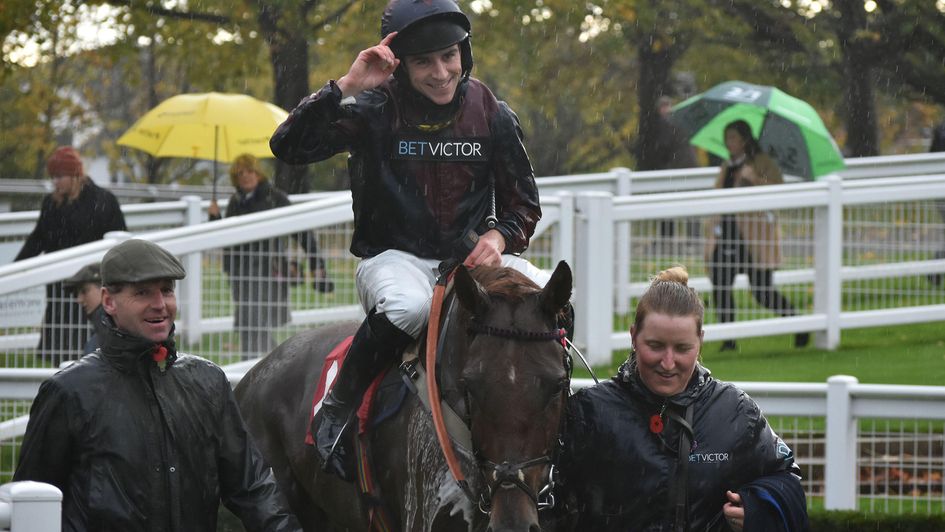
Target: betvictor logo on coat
[(700, 456), (458, 149), (708, 458)]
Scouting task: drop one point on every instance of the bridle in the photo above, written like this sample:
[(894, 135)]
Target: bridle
[(512, 475), (503, 474), (507, 474)]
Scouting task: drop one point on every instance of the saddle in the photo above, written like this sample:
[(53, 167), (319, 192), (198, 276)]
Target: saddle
[(382, 400)]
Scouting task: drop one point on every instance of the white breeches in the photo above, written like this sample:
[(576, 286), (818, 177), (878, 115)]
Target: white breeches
[(400, 286)]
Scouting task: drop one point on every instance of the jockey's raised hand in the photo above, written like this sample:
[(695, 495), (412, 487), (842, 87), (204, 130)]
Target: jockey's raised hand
[(370, 69)]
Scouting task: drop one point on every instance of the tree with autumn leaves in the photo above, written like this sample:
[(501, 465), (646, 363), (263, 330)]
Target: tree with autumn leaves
[(584, 78)]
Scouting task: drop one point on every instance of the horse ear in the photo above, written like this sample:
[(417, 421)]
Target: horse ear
[(557, 292), (471, 294)]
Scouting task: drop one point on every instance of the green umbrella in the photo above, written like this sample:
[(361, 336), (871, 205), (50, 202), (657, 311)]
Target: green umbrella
[(788, 129)]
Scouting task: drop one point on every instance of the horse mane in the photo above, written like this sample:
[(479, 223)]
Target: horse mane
[(503, 282)]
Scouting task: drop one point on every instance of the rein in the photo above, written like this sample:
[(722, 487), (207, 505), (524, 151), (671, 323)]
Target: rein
[(433, 388), (504, 473)]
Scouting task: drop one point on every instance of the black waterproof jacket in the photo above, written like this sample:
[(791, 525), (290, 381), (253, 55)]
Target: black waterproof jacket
[(414, 189), (260, 294), (618, 474), (137, 448), (86, 219)]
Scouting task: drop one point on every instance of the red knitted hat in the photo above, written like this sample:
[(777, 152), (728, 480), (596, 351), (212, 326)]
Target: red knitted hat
[(65, 161)]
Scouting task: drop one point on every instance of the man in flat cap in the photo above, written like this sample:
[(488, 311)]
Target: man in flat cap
[(138, 436), (86, 284)]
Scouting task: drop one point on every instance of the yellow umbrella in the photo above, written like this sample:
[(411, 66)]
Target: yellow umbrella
[(212, 126)]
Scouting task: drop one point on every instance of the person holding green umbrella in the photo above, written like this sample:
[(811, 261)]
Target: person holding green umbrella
[(749, 242), (787, 128)]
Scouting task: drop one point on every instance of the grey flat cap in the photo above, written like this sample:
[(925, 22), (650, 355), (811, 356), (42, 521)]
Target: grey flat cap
[(136, 260), (90, 273)]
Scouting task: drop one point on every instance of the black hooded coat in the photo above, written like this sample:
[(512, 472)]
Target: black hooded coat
[(72, 223), (135, 447), (618, 469)]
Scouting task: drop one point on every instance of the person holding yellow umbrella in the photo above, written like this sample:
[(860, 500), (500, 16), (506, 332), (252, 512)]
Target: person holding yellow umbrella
[(260, 274), (232, 127)]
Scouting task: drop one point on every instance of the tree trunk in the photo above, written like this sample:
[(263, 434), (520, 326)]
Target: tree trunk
[(49, 135), (288, 54), (154, 164), (859, 102), (656, 65)]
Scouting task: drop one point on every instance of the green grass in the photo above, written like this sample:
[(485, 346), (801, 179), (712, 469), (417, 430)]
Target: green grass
[(904, 354)]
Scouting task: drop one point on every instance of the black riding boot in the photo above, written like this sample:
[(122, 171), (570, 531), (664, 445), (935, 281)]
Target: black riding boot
[(375, 346)]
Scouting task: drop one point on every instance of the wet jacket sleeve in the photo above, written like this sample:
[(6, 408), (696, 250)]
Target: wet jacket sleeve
[(46, 452), (315, 130), (775, 503), (113, 218), (36, 241), (765, 452), (247, 485), (517, 206)]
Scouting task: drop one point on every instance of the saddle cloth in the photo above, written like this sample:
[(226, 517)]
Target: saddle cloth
[(383, 398)]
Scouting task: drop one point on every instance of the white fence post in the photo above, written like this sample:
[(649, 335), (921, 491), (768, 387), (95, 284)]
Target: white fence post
[(29, 506), (840, 475), (828, 260), (622, 293), (594, 271), (192, 284), (564, 238)]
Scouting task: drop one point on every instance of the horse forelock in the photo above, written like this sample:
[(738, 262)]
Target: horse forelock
[(507, 283)]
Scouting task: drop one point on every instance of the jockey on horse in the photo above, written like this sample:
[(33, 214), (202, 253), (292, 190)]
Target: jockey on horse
[(438, 171)]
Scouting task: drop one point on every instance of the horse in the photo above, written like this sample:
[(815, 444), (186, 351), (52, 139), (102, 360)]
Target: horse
[(502, 367)]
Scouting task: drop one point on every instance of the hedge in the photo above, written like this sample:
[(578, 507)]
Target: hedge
[(823, 521)]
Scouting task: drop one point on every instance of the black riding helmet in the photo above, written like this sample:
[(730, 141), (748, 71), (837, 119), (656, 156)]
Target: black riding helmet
[(426, 26)]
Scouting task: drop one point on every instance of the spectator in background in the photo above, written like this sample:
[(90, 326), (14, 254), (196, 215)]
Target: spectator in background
[(76, 212), (666, 149), (138, 436), (665, 446), (260, 272), (938, 144), (87, 286), (748, 242)]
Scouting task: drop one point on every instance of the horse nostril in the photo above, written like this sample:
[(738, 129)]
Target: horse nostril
[(534, 528)]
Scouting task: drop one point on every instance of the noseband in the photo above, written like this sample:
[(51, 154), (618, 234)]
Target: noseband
[(506, 475)]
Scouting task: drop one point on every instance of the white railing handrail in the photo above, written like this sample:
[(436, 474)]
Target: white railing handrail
[(325, 210), (613, 181), (52, 267), (634, 207)]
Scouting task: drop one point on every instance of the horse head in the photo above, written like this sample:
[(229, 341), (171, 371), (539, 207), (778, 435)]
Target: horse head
[(511, 377)]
